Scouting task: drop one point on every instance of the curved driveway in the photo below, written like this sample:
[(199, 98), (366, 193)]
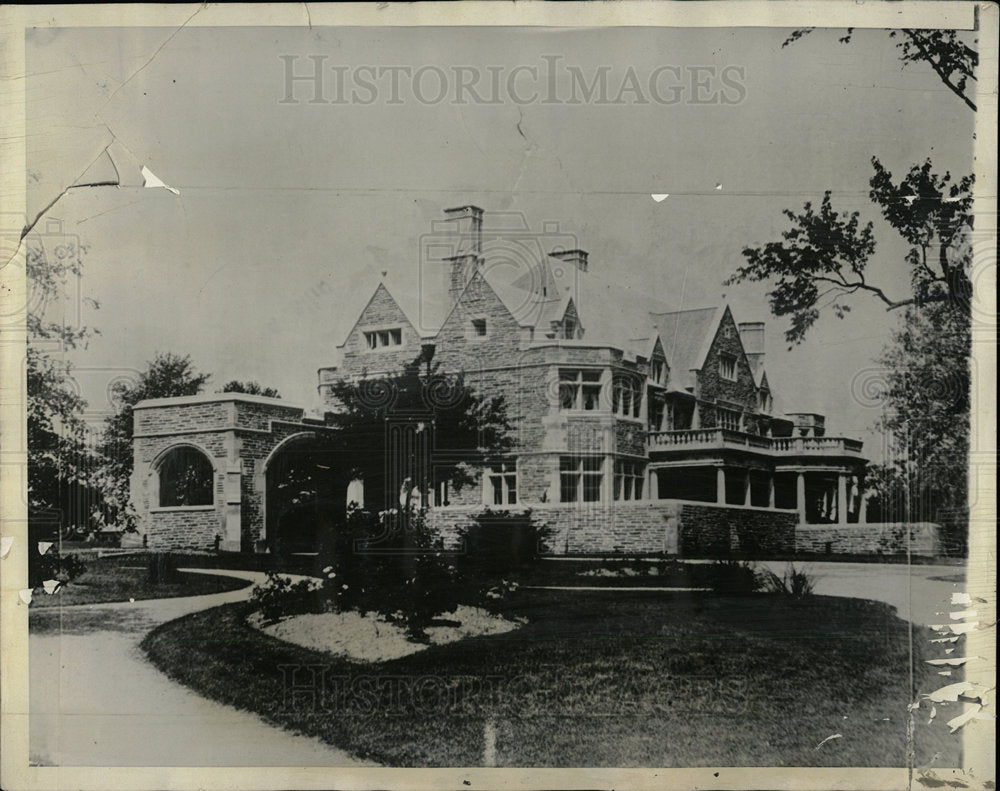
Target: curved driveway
[(96, 701), (921, 594)]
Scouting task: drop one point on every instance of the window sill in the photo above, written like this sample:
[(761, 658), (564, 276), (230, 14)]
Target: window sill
[(166, 508)]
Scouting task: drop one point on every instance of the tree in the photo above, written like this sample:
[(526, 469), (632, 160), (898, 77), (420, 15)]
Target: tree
[(825, 254), (59, 462), (925, 424), (927, 380), (250, 388), (166, 376), (456, 428), (952, 60)]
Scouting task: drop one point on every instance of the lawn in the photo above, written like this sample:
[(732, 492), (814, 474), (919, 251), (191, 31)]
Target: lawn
[(596, 678), (121, 577)]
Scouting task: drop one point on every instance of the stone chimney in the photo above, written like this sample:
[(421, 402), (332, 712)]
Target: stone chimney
[(752, 338), (577, 258), (467, 245)]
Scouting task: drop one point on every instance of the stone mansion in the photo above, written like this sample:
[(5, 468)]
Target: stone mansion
[(638, 429)]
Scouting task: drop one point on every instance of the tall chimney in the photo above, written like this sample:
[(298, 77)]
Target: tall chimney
[(577, 258), (467, 255), (752, 338)]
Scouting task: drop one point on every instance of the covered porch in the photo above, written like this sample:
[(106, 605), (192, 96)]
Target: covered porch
[(819, 477)]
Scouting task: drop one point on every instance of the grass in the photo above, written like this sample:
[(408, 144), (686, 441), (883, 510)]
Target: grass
[(596, 678), (120, 577)]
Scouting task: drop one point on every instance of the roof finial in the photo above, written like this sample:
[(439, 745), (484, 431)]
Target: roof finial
[(384, 273)]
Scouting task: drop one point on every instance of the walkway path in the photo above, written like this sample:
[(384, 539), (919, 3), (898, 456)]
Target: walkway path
[(97, 701)]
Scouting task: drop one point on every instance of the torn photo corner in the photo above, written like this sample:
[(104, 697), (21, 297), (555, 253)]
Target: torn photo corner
[(499, 394)]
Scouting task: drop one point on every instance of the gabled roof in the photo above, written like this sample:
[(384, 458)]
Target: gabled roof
[(687, 335), (538, 293), (425, 309)]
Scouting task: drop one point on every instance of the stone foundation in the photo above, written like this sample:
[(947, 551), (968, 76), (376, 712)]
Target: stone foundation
[(870, 539), (649, 527), (718, 530)]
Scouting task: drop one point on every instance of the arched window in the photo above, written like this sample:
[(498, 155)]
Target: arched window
[(185, 478)]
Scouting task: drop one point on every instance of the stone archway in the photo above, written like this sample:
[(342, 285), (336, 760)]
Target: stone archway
[(304, 488), (239, 434)]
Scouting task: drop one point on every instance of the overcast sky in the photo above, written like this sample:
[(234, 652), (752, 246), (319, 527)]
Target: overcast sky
[(284, 206)]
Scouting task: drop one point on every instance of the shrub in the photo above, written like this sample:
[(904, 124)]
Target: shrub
[(793, 582), (279, 597), (394, 564), (733, 576), (499, 543), (52, 566)]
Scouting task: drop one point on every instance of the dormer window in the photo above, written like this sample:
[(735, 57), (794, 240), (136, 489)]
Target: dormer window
[(626, 397), (727, 367), (657, 372), (381, 339), (479, 328), (569, 329)]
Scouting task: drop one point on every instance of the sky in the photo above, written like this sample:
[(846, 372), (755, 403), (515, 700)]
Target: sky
[(285, 207)]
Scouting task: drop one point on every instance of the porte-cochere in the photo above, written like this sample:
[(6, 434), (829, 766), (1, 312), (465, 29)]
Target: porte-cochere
[(232, 471)]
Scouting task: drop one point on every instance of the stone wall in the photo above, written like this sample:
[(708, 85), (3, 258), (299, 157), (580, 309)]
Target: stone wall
[(184, 528), (870, 539), (590, 528), (717, 530), (649, 527), (178, 418)]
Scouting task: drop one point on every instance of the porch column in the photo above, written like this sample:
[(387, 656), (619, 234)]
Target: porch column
[(863, 509), (746, 488), (800, 496), (720, 485), (842, 498), (652, 484), (770, 491)]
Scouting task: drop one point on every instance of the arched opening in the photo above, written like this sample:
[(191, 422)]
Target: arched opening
[(186, 477), (305, 495)]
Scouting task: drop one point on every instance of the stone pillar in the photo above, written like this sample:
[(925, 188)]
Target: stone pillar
[(553, 493), (232, 538), (746, 488), (720, 485), (652, 484), (770, 491), (800, 496), (842, 498), (863, 509), (608, 480)]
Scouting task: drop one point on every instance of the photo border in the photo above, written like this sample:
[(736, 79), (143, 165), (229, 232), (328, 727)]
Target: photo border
[(979, 757)]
